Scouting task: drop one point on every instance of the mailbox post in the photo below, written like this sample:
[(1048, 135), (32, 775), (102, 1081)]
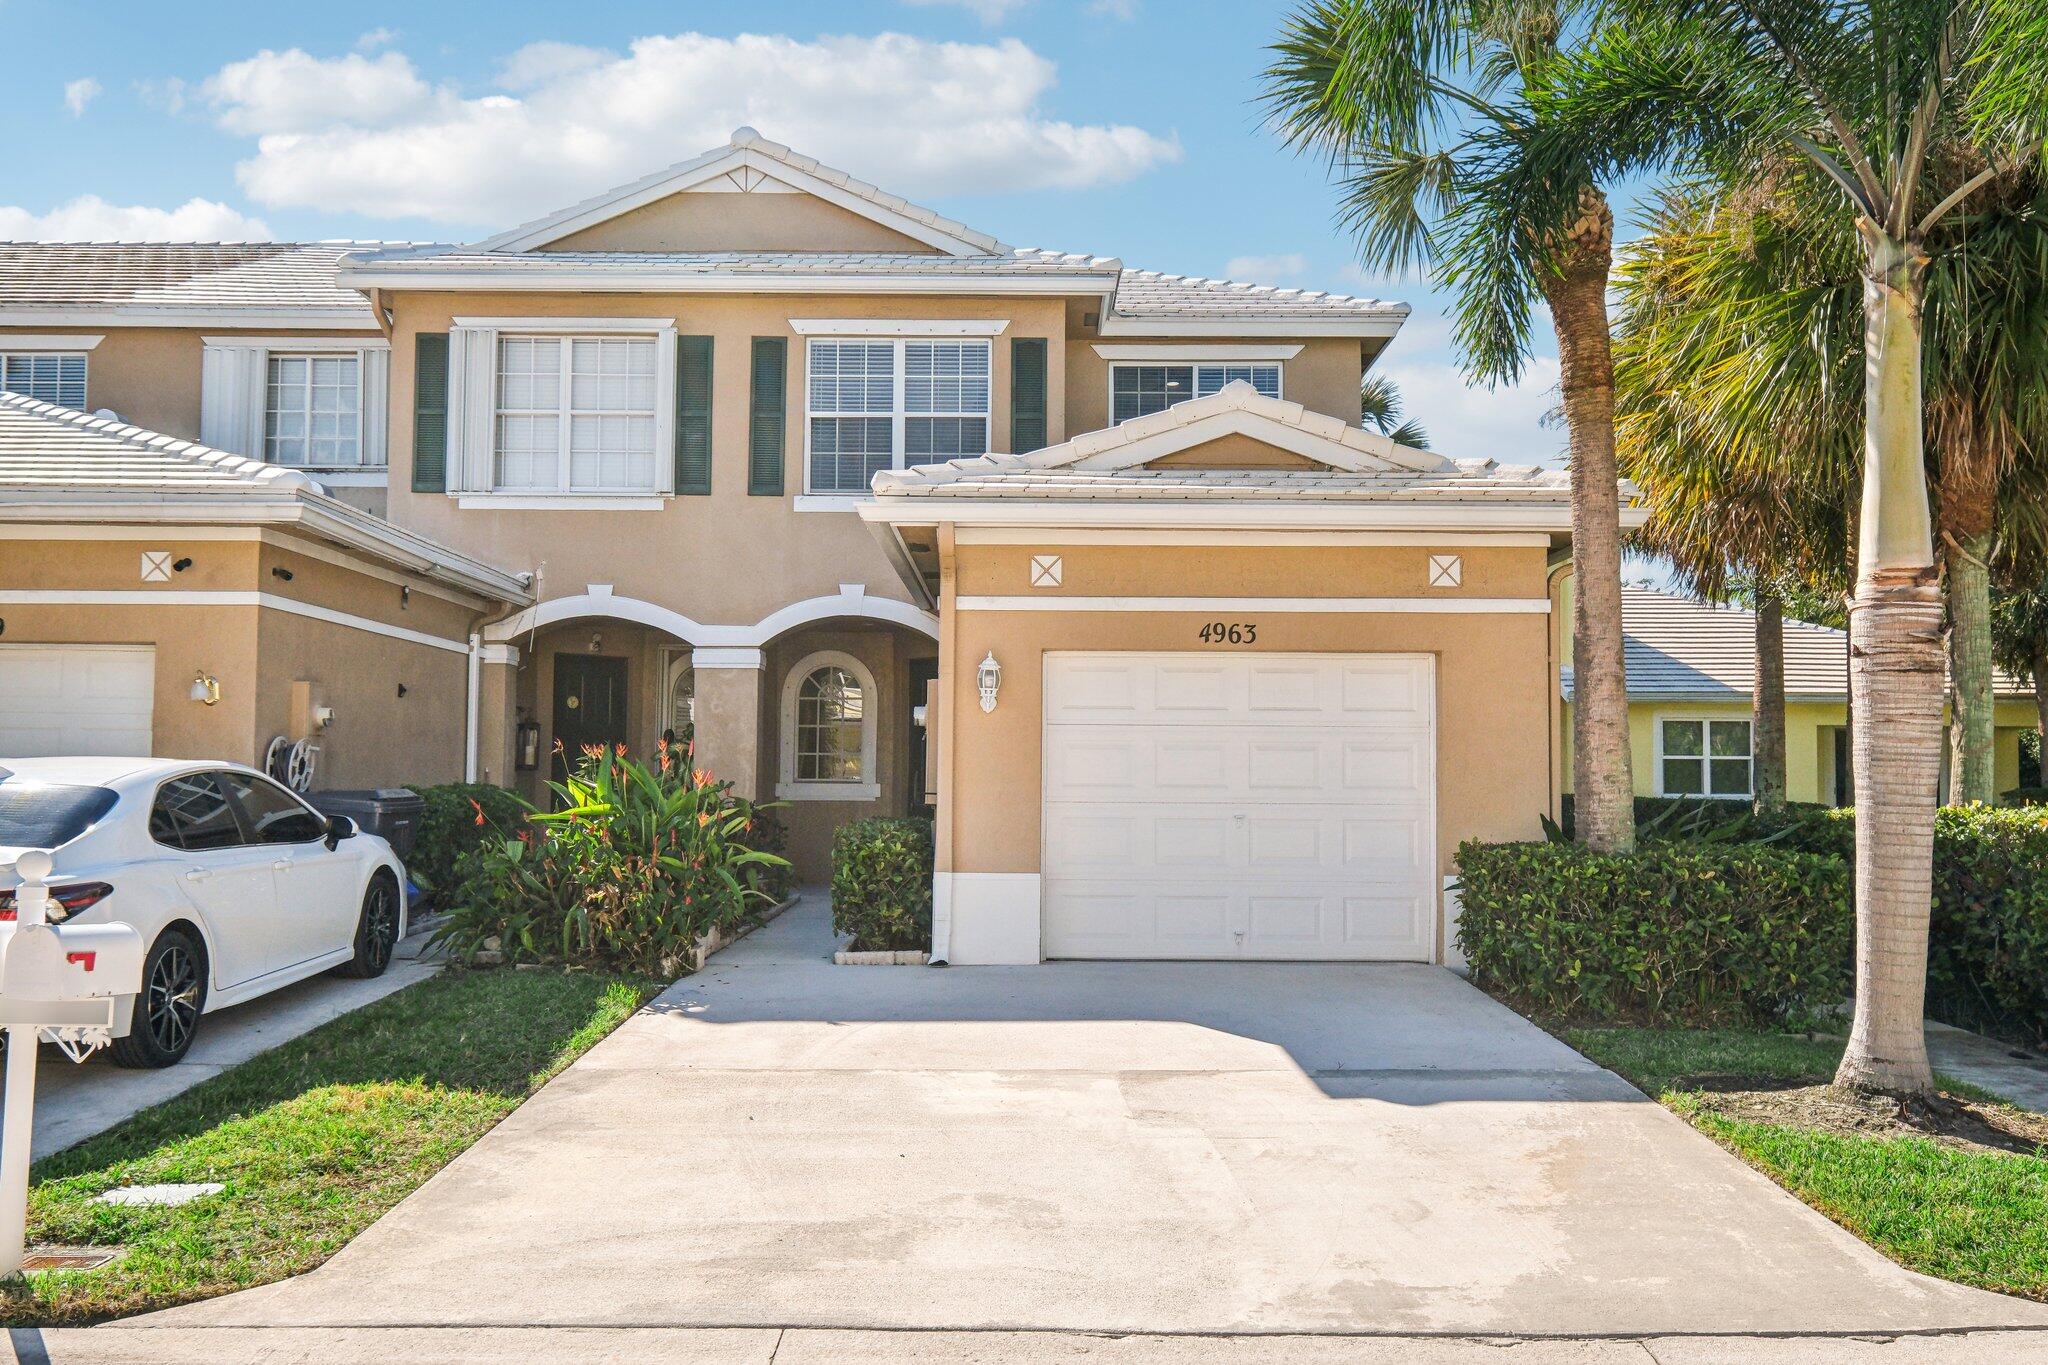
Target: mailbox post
[(57, 981)]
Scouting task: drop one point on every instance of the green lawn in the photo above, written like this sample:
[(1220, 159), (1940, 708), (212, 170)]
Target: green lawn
[(314, 1140), (1974, 1216)]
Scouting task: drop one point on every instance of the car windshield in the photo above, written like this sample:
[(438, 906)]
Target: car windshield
[(33, 815)]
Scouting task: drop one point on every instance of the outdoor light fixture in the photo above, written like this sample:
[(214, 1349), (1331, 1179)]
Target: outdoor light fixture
[(989, 677), (527, 755), (205, 689), (280, 572), (180, 565)]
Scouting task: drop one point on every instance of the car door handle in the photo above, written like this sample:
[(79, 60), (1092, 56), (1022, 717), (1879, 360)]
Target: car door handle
[(281, 865), (196, 874)]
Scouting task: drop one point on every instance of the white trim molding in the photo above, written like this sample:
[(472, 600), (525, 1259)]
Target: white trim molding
[(339, 320), (49, 341), (1317, 326), (568, 326), (987, 918), (559, 502), (868, 787), (1165, 355), (1166, 535), (1436, 606), (900, 327), (851, 600), (831, 502), (727, 656), (227, 597), (302, 343)]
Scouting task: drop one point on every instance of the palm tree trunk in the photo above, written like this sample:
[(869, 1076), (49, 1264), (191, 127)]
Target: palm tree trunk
[(1969, 611), (1767, 702), (1602, 785), (1895, 666)]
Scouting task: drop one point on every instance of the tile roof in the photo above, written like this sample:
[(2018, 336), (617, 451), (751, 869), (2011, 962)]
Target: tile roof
[(178, 277), (1149, 294), (1677, 648), (471, 260)]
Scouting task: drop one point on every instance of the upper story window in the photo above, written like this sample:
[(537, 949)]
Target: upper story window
[(883, 404), (312, 411), (1136, 390), (48, 376), (576, 415)]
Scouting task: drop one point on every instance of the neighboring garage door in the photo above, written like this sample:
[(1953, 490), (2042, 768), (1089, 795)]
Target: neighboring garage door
[(1274, 806), (76, 699)]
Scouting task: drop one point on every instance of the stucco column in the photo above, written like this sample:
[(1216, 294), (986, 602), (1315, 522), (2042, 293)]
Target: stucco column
[(728, 717), (496, 699)]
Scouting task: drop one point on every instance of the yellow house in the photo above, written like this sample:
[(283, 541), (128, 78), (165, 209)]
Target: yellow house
[(1691, 666)]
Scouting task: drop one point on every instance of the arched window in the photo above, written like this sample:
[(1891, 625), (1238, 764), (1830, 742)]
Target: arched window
[(828, 731)]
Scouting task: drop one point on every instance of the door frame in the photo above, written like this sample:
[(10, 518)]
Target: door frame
[(1432, 861)]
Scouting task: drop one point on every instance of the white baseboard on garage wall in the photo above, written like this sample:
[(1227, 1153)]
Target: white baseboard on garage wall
[(985, 918)]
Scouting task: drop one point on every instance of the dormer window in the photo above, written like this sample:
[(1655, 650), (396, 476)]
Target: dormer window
[(1136, 390)]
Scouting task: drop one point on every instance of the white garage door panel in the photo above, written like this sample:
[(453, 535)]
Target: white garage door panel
[(76, 699), (1275, 806)]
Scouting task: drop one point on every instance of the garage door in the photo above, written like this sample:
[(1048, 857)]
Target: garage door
[(76, 699), (1245, 806)]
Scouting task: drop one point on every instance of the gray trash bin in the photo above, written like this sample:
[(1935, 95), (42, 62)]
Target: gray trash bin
[(392, 812)]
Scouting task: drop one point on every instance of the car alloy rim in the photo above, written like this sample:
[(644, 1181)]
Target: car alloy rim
[(380, 924), (173, 998)]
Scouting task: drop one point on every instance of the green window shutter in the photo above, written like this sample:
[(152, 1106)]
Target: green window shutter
[(1027, 394), (693, 415), (768, 421), (430, 413)]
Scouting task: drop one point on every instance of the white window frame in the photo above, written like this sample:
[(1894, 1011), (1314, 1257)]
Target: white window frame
[(9, 351), (566, 412), (1195, 365), (1705, 720), (868, 787), (234, 407), (356, 466), (897, 414)]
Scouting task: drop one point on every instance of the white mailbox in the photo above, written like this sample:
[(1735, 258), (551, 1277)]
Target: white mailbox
[(57, 981)]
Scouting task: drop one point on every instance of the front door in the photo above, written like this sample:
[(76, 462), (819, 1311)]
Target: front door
[(590, 706)]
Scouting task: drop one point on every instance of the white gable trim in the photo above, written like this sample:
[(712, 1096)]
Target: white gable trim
[(748, 152), (1185, 354)]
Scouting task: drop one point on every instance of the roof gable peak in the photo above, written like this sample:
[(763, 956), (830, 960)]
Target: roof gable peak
[(751, 163)]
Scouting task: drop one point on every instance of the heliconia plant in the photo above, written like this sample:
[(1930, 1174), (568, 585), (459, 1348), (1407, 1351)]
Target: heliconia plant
[(638, 862)]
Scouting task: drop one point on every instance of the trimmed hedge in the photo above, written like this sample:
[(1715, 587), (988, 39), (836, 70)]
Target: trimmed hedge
[(882, 884), (1987, 965), (2025, 796), (1673, 933), (459, 816)]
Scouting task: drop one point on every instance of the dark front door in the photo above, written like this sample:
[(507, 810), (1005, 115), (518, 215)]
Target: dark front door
[(590, 706), (922, 673)]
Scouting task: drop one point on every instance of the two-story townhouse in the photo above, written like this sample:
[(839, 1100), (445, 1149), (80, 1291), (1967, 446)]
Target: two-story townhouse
[(671, 408)]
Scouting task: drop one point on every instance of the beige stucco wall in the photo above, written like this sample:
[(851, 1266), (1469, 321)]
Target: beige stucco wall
[(1492, 701), (1322, 378), (257, 652), (739, 222)]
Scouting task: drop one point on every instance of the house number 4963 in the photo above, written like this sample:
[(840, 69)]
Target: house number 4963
[(1230, 633)]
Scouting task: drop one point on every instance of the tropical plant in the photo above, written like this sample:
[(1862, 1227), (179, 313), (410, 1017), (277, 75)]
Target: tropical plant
[(882, 883), (1874, 96), (636, 866), (1379, 403), (1409, 100)]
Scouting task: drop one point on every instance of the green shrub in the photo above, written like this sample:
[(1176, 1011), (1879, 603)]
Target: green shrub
[(458, 817), (2025, 796), (774, 880), (1693, 934), (882, 884), (638, 864), (1988, 947)]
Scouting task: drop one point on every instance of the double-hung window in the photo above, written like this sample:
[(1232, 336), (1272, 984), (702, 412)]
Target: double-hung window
[(49, 376), (877, 404), (1136, 390), (312, 411), (1704, 757), (575, 415)]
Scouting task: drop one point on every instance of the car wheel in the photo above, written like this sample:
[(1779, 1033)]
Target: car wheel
[(376, 930), (167, 1010)]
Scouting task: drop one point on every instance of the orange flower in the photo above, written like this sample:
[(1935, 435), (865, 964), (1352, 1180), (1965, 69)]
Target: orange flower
[(478, 809), (703, 818)]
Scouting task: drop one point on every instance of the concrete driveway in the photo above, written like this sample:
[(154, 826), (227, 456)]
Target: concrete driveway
[(1104, 1148)]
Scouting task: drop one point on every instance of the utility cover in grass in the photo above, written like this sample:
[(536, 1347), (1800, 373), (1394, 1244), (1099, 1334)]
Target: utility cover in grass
[(159, 1196)]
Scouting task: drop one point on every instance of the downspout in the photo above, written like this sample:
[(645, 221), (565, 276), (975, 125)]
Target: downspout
[(949, 686), (1554, 684), (473, 706)]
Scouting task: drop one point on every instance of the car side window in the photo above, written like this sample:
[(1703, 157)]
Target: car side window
[(275, 816), (193, 813)]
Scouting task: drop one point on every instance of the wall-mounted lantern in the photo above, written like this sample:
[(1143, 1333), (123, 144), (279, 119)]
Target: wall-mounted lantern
[(526, 755), (205, 689), (989, 677)]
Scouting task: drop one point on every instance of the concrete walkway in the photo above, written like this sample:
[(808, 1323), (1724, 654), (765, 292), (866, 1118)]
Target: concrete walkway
[(78, 1101), (2012, 1073), (1208, 1152)]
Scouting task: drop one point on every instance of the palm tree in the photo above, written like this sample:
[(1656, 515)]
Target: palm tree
[(1379, 403), (1402, 95), (1871, 95)]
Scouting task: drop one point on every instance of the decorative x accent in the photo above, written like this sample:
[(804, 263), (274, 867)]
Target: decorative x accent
[(1446, 571), (156, 566), (1046, 571)]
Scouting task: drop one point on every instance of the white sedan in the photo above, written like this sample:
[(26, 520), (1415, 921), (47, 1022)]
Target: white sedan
[(236, 885)]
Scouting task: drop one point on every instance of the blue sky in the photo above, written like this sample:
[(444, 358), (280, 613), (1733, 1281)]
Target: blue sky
[(1123, 127)]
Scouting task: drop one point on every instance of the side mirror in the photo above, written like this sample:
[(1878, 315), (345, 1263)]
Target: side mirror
[(339, 827)]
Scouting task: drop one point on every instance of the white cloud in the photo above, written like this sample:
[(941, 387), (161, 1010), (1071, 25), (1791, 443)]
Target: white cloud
[(1275, 269), (536, 64), (1125, 10), (167, 94), (1470, 421), (90, 218), (290, 92), (355, 135), (376, 38), (990, 12), (79, 93)]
